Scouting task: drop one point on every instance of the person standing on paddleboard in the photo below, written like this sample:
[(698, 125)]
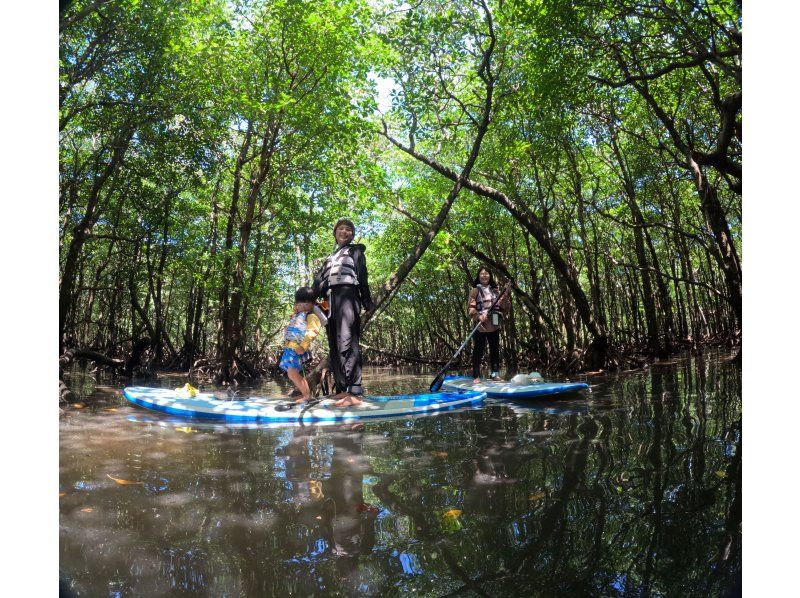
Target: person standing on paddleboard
[(342, 279), (481, 297)]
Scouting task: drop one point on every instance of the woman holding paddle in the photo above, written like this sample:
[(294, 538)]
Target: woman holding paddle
[(486, 307)]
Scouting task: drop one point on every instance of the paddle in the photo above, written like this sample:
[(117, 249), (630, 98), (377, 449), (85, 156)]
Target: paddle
[(309, 405), (288, 406), (437, 382), (229, 395)]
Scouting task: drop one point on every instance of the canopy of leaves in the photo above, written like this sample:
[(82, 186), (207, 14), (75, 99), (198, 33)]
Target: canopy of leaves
[(185, 123)]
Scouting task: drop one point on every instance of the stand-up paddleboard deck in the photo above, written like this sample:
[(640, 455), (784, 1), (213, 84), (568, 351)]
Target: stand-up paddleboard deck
[(505, 389), (263, 409)]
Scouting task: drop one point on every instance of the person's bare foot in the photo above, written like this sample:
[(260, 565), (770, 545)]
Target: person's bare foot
[(301, 399), (340, 395), (476, 381), (348, 401), (341, 401)]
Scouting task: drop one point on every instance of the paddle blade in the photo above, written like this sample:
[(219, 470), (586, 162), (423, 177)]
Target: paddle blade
[(437, 382)]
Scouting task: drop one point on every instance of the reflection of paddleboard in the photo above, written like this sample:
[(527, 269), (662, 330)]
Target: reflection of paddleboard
[(513, 390), (569, 405), (263, 409)]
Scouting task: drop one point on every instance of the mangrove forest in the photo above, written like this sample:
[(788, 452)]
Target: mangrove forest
[(588, 153)]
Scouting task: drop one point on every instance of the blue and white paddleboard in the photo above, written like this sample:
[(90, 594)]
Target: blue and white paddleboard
[(519, 387), (263, 409)]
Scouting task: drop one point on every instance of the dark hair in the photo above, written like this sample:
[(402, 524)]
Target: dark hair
[(304, 294), (346, 222), (477, 280)]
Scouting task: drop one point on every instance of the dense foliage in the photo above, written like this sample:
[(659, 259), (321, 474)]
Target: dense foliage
[(589, 153)]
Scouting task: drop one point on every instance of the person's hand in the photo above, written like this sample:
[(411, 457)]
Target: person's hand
[(368, 305), (508, 285), (482, 317)]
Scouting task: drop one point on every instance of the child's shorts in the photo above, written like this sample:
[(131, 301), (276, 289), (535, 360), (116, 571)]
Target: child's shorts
[(290, 359)]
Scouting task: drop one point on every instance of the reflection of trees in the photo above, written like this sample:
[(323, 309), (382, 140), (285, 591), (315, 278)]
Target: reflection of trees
[(642, 497), (330, 527), (624, 501), (728, 416), (492, 483), (424, 528), (679, 483), (262, 503), (549, 539)]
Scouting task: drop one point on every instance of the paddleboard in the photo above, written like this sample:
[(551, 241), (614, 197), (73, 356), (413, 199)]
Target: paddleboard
[(512, 390), (263, 409)]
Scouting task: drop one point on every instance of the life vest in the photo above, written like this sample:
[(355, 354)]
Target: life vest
[(317, 311), (485, 297), (296, 330), (340, 268)]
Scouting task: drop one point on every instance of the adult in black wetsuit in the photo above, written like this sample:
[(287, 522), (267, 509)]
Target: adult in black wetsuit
[(342, 280)]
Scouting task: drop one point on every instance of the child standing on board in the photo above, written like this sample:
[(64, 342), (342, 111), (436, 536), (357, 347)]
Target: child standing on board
[(303, 328)]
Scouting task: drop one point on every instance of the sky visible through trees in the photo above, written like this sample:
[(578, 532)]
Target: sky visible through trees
[(588, 153)]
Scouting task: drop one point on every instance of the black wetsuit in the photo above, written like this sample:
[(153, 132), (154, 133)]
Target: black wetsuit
[(343, 281), (479, 347)]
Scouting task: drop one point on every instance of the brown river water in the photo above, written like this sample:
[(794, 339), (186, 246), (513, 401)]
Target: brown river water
[(631, 490)]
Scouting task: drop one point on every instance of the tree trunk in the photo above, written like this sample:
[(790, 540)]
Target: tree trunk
[(717, 222), (385, 293), (648, 297), (597, 351), (83, 229), (663, 291), (227, 340), (709, 201)]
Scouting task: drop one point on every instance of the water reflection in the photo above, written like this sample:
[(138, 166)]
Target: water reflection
[(633, 491), (329, 524)]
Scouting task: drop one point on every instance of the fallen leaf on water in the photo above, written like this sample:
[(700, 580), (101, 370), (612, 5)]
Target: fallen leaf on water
[(318, 517), (315, 489), (367, 508), (539, 495), (86, 510), (721, 474), (112, 409), (123, 482), (450, 522), (442, 454), (77, 405), (60, 494), (185, 429), (350, 459)]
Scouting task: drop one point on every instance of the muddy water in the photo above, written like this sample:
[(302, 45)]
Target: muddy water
[(633, 490)]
